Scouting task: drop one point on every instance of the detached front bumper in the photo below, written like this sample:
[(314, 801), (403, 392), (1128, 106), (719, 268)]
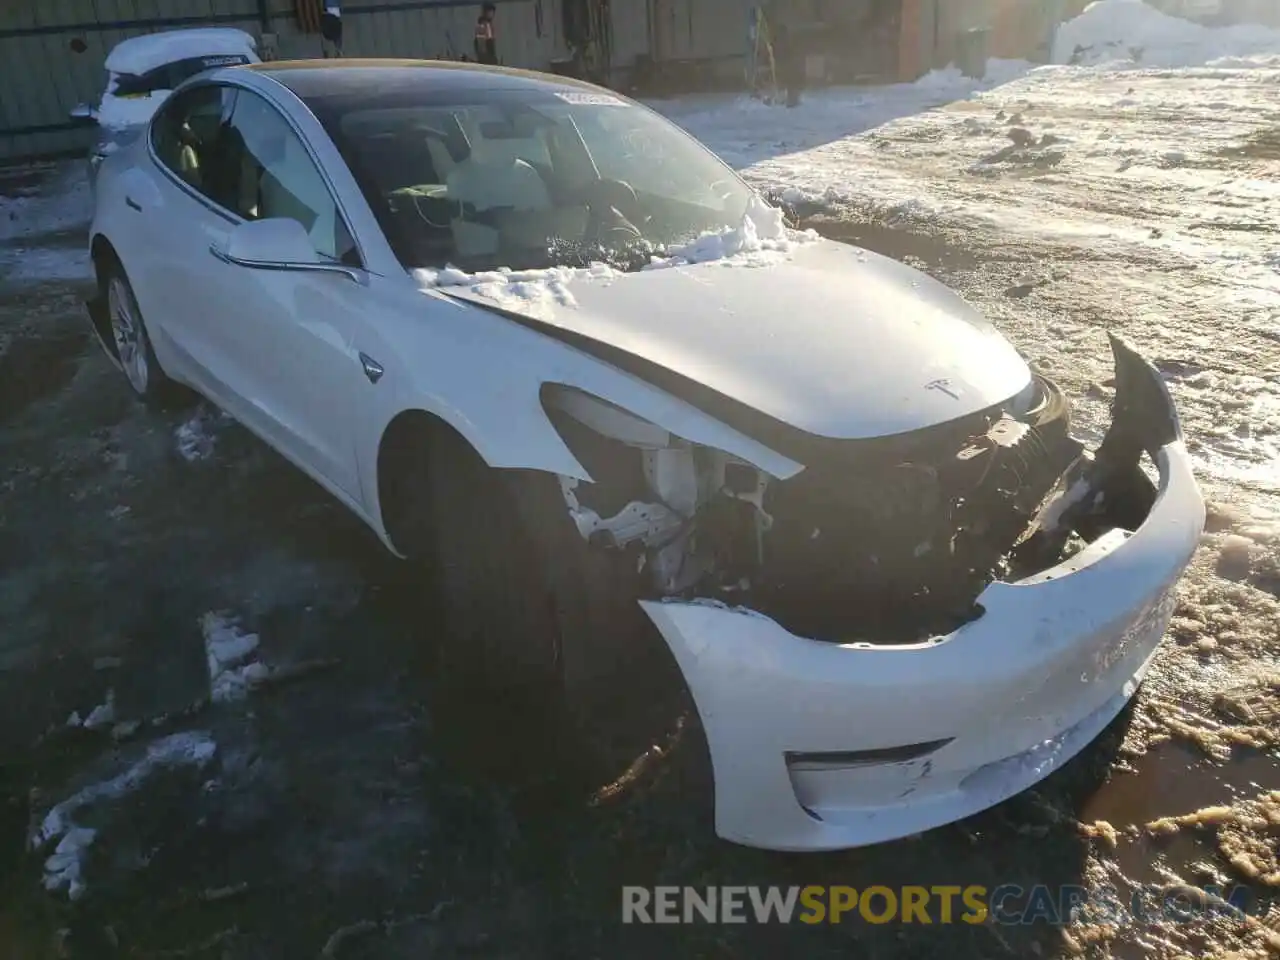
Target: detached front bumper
[(819, 746)]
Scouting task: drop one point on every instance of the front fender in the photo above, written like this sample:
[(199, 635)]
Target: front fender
[(483, 375)]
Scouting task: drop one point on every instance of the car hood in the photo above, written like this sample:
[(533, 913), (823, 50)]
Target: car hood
[(830, 339)]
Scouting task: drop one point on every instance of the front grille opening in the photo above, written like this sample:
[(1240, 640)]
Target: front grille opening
[(879, 756)]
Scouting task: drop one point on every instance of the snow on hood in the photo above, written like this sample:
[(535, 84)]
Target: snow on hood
[(761, 240), (1131, 33), (832, 340), (137, 55)]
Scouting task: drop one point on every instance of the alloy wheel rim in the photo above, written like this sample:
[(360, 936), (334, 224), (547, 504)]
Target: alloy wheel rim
[(129, 338)]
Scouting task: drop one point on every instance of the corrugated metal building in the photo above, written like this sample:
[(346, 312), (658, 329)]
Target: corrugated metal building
[(52, 51)]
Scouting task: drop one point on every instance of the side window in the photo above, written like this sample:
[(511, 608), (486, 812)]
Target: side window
[(188, 135), (278, 178)]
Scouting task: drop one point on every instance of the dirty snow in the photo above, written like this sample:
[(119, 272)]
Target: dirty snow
[(229, 650), (1121, 33), (744, 131), (1119, 163), (1146, 201), (64, 868), (196, 438), (36, 264), (62, 205)]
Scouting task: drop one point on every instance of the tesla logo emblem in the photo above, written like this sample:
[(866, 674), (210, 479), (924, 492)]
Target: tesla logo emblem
[(942, 386)]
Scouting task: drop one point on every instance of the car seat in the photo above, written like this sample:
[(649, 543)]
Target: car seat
[(478, 185), (188, 158)]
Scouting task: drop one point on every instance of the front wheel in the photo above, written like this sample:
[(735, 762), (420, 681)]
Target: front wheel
[(527, 609)]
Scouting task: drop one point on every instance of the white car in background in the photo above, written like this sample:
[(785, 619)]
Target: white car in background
[(537, 335), (143, 71)]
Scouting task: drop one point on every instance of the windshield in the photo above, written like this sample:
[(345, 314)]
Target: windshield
[(533, 179)]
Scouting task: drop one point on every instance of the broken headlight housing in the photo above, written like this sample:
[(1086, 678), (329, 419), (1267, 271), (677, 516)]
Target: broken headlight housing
[(692, 515)]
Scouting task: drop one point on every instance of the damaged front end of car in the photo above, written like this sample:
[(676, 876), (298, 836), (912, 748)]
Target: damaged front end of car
[(885, 541)]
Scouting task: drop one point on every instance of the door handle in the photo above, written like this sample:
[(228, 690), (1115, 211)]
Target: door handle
[(133, 204)]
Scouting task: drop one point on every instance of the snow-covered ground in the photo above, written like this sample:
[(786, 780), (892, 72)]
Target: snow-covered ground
[(1165, 179), (1136, 190)]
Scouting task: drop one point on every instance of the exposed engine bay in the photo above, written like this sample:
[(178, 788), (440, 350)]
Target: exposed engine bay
[(884, 540)]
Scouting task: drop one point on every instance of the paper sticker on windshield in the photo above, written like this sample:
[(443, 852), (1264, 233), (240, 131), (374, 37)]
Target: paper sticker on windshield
[(589, 99)]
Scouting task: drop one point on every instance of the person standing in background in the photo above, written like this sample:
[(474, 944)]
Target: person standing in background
[(331, 29), (486, 40), (788, 53)]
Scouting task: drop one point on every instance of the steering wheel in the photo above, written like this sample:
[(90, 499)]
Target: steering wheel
[(612, 207)]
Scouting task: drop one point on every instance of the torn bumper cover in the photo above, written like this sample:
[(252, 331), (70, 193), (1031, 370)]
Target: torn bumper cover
[(819, 746)]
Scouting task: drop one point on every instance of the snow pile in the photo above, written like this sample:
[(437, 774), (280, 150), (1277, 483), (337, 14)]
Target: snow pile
[(103, 715), (535, 292), (762, 239), (118, 113), (197, 437), (1128, 32), (951, 82), (744, 131), (64, 868), (229, 651)]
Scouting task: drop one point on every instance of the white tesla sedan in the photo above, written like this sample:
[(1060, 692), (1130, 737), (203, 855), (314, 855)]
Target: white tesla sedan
[(533, 332)]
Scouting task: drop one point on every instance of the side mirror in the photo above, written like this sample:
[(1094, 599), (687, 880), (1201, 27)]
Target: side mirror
[(84, 113), (276, 243)]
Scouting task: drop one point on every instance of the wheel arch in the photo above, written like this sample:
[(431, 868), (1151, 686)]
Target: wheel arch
[(103, 256), (520, 440), (406, 443)]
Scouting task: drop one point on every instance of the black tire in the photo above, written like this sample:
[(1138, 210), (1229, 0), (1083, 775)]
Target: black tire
[(528, 615), (546, 672), (131, 343)]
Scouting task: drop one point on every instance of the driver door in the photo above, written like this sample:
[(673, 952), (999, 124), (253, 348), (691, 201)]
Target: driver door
[(291, 333)]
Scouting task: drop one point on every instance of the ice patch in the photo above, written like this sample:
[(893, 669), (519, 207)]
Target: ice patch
[(63, 206), (1120, 33), (64, 868), (36, 264), (228, 649), (197, 437)]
